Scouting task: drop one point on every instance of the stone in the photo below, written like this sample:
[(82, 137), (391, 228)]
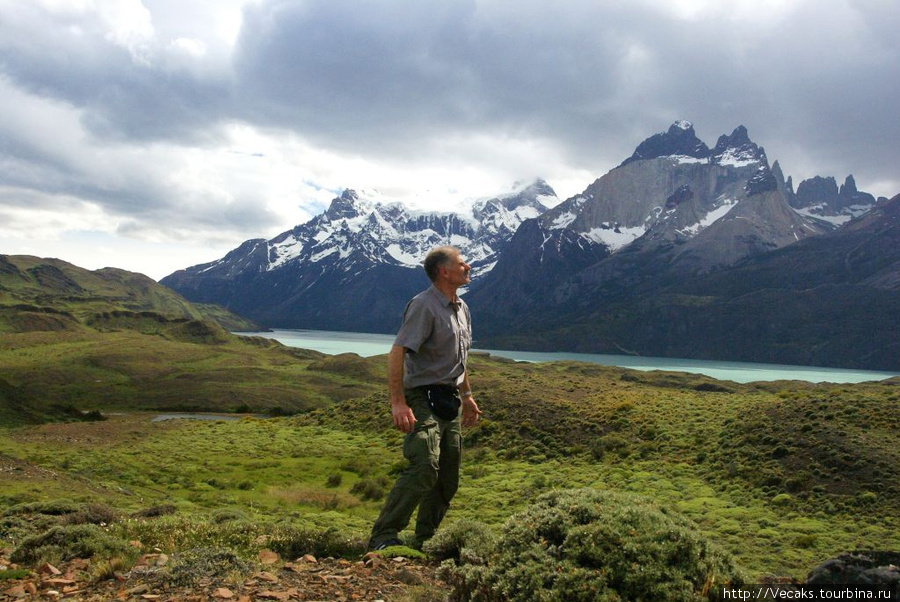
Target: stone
[(861, 567), (49, 569), (223, 593), (266, 576), (268, 557), (16, 591)]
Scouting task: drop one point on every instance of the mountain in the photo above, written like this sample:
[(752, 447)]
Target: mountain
[(608, 270), (626, 252), (829, 300), (354, 266), (655, 218), (821, 198), (38, 294)]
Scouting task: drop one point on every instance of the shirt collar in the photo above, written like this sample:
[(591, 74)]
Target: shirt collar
[(456, 303)]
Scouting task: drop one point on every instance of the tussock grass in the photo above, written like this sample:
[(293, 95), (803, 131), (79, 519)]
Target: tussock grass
[(780, 476)]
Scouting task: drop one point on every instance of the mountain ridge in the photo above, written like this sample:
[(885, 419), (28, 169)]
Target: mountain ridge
[(674, 211)]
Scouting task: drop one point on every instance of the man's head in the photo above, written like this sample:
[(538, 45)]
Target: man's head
[(444, 264)]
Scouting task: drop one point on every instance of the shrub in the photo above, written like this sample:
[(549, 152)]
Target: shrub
[(334, 480), (62, 543), (198, 563), (94, 514), (594, 545), (292, 542), (224, 515), (52, 508), (464, 539), (155, 511), (371, 488)]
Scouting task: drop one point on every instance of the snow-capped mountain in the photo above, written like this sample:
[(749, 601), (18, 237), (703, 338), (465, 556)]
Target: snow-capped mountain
[(623, 267), (674, 189), (675, 210), (310, 275)]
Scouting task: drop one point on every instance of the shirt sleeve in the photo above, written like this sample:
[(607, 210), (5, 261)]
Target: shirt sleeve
[(417, 325)]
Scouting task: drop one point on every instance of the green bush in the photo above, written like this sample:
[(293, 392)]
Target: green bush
[(594, 545), (466, 540), (51, 507), (371, 488), (62, 543)]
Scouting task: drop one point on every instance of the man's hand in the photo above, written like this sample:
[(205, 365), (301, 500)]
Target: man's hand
[(470, 411), (404, 419)]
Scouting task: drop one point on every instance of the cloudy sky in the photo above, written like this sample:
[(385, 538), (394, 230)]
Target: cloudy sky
[(153, 135)]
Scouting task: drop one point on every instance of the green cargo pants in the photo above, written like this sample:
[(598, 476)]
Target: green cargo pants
[(430, 480)]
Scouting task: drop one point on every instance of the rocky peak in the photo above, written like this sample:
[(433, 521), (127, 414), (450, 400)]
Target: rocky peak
[(762, 181), (345, 206), (738, 150), (531, 196), (679, 140)]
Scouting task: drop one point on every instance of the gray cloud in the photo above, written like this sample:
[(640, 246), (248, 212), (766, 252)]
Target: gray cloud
[(393, 81), (813, 82)]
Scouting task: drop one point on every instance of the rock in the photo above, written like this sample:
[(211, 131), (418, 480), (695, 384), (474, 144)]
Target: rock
[(265, 576), (223, 593), (268, 557), (16, 591), (861, 567), (49, 569), (162, 560), (31, 588), (408, 577), (271, 595)]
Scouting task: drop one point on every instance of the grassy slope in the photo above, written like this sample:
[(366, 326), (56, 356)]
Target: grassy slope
[(783, 475), (49, 294), (714, 455)]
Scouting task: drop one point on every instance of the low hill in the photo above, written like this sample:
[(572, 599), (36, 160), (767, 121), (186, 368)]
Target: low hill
[(50, 294), (74, 340)]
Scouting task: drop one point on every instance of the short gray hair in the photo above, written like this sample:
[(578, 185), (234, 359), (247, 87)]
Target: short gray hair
[(437, 258)]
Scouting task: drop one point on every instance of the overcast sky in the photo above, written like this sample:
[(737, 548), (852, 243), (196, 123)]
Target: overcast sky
[(154, 135)]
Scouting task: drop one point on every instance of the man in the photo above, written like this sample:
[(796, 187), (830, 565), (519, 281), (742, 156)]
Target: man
[(428, 382)]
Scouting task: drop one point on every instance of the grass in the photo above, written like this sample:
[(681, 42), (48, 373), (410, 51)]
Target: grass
[(781, 476), (661, 436)]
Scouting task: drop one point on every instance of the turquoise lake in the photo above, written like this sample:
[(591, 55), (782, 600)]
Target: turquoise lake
[(367, 345)]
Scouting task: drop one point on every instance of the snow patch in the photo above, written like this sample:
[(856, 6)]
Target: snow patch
[(836, 220), (615, 238), (734, 158), (687, 160), (710, 218), (402, 256)]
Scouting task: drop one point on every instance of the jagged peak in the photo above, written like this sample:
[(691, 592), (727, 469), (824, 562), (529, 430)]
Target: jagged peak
[(679, 140), (849, 186), (522, 195), (349, 205), (737, 150)]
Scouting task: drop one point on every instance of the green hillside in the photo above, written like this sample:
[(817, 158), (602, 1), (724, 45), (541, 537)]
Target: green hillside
[(52, 295), (781, 476)]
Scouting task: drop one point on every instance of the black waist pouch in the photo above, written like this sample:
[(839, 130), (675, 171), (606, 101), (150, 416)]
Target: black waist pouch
[(443, 401)]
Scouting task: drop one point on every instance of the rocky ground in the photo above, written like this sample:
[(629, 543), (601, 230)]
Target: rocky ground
[(307, 578)]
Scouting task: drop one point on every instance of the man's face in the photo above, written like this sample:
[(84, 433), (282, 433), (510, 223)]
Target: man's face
[(457, 271)]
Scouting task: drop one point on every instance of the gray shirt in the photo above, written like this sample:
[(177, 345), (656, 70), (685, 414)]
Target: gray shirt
[(437, 334)]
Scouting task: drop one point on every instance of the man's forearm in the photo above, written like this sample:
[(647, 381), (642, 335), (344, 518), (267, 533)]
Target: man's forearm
[(395, 373)]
